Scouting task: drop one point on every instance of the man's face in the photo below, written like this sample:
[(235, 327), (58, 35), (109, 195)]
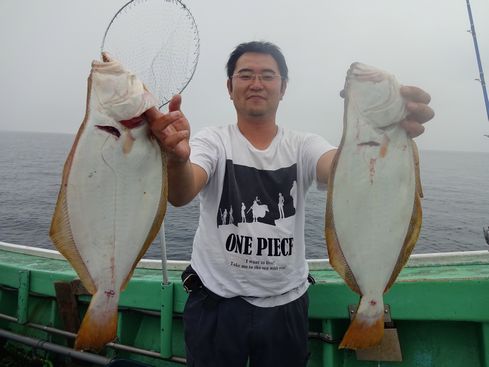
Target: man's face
[(255, 97)]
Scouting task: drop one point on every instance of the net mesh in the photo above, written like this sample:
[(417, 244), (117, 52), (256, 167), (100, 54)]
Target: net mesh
[(157, 40)]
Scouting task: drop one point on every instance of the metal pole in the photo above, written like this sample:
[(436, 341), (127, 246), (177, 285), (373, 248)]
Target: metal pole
[(122, 347), (164, 267), (36, 343), (479, 63)]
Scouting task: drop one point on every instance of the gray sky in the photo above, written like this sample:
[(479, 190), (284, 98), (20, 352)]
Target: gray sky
[(47, 47)]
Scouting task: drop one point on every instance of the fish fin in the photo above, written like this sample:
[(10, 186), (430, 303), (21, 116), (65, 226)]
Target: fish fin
[(338, 260), (336, 257), (419, 187), (60, 230), (99, 326), (153, 232), (62, 238), (367, 327)]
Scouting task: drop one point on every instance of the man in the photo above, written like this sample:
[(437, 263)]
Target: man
[(248, 280)]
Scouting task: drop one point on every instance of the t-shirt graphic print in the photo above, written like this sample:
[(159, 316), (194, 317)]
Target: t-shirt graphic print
[(251, 195)]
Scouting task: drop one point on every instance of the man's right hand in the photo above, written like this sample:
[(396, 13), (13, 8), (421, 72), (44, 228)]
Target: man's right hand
[(172, 130), (185, 180)]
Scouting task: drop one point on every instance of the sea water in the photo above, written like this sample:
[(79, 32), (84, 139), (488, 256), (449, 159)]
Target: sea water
[(455, 204)]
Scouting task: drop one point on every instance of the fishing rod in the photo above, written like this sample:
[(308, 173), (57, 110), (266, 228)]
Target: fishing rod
[(479, 63)]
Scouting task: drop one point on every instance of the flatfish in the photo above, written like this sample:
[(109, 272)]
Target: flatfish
[(373, 214), (113, 195)]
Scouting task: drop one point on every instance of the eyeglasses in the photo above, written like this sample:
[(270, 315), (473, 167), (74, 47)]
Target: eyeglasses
[(248, 76)]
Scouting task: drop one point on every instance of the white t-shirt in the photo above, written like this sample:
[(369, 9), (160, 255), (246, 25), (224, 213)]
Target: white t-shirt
[(250, 238)]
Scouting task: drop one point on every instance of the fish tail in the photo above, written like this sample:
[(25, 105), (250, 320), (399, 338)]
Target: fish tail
[(99, 326), (367, 327)]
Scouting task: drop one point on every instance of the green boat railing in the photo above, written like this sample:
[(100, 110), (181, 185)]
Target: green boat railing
[(439, 307)]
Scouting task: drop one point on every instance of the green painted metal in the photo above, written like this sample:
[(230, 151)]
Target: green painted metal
[(441, 312), (330, 355), (484, 350), (23, 298)]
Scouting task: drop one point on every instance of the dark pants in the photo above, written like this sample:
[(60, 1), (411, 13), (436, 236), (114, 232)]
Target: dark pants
[(227, 332)]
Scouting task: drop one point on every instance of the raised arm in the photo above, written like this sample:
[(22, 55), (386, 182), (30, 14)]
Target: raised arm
[(172, 129)]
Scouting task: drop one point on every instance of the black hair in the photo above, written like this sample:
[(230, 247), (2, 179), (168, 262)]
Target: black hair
[(260, 47)]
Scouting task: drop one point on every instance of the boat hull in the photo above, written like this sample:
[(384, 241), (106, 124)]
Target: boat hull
[(430, 321)]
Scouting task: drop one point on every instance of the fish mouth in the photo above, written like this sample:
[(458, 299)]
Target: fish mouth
[(363, 72)]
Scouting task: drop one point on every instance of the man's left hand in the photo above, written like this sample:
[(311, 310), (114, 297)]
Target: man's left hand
[(418, 110)]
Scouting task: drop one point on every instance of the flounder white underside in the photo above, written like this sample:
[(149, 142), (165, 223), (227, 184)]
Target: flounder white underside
[(373, 214), (374, 179), (113, 198), (374, 197)]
